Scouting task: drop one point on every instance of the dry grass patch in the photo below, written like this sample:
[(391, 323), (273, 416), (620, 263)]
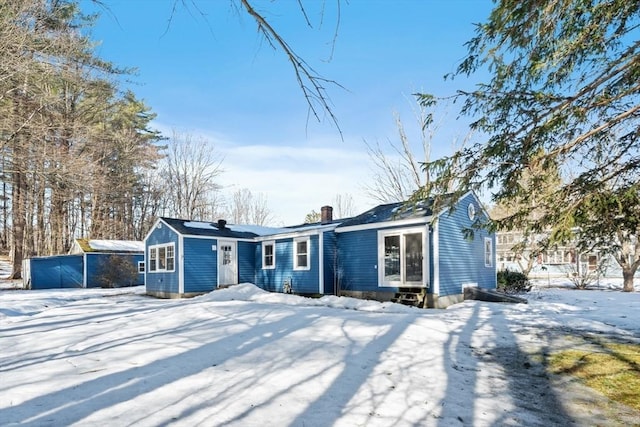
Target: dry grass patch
[(612, 369)]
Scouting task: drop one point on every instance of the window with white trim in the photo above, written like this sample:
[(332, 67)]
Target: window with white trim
[(488, 252), (268, 255), (301, 253), (162, 258), (140, 266)]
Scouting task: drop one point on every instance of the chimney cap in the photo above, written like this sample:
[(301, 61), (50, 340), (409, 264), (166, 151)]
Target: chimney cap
[(221, 224)]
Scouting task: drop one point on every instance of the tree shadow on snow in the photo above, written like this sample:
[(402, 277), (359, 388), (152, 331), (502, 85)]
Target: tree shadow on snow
[(75, 403), (519, 390)]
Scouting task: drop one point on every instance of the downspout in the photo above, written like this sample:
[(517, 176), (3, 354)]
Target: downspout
[(84, 270), (180, 265), (321, 262), (436, 258)]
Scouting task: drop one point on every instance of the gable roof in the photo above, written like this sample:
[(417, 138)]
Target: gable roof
[(212, 229), (240, 231)]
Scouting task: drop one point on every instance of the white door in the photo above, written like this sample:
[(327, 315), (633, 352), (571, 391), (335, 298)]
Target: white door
[(227, 263)]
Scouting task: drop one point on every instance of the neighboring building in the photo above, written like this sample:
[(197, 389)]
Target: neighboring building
[(558, 261), (388, 251), (89, 264)]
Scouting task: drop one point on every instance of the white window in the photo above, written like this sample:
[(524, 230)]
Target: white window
[(402, 257), (301, 253), (268, 255), (140, 266), (152, 259), (488, 252), (162, 258)]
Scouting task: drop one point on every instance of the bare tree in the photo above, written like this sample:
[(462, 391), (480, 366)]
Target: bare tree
[(247, 208), (190, 171), (397, 166), (312, 84), (343, 206)]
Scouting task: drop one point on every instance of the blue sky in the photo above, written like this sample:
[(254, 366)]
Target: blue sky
[(204, 70)]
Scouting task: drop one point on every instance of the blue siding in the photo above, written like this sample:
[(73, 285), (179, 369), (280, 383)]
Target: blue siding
[(247, 262), (358, 261), (156, 281), (330, 262), (200, 265), (462, 260), (302, 281), (97, 262), (63, 271)]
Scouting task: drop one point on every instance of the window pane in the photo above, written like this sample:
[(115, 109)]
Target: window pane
[(302, 247), (413, 257), (152, 259), (302, 260), (301, 254), (162, 264), (392, 258), (488, 253), (268, 255)]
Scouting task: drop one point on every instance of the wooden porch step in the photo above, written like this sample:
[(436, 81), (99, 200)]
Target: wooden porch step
[(410, 296)]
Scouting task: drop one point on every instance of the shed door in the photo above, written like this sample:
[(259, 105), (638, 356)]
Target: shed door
[(227, 263)]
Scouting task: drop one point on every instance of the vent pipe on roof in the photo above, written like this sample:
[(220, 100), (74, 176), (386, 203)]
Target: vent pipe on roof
[(221, 224), (326, 214)]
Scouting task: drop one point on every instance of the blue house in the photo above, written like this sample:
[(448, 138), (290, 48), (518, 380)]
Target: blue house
[(187, 258), (389, 252), (89, 264), (395, 251)]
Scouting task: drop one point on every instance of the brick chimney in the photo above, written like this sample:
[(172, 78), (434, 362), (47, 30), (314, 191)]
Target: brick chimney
[(326, 214)]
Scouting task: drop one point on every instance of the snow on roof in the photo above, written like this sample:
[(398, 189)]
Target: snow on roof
[(200, 224), (117, 245), (255, 229)]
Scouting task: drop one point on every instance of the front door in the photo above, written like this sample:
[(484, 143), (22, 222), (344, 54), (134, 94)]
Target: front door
[(227, 263)]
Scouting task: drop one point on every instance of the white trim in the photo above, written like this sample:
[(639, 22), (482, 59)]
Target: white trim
[(471, 211), (435, 240), (294, 234), (386, 224), (157, 248), (273, 265), (234, 260), (143, 266), (321, 263), (153, 227), (402, 233), (181, 265), (306, 239), (492, 256), (84, 270)]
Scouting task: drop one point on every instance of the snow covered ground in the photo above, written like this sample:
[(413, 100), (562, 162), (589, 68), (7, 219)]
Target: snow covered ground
[(244, 357)]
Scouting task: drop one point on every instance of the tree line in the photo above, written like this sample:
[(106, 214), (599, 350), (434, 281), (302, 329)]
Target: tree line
[(78, 155), (75, 149)]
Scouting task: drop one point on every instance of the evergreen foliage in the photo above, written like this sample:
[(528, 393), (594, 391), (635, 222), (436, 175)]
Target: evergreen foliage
[(563, 96), (510, 281)]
